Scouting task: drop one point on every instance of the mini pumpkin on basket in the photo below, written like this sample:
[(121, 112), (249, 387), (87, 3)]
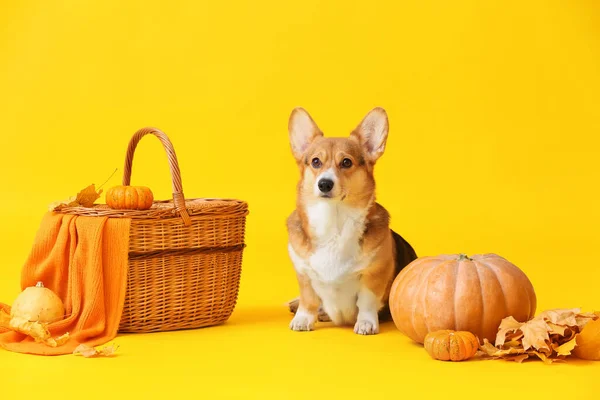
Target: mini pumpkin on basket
[(185, 255)]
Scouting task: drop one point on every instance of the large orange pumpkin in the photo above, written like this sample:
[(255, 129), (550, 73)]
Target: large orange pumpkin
[(129, 197), (460, 293)]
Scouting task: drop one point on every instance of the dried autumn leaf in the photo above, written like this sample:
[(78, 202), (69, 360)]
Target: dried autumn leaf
[(547, 351), (510, 351), (535, 334), (558, 316), (88, 351), (508, 325), (569, 317), (518, 358), (542, 357), (551, 336), (85, 198), (517, 335), (511, 354), (566, 348), (488, 348), (34, 329), (58, 205), (88, 196), (109, 350), (493, 351), (513, 343), (62, 339), (85, 350), (556, 329), (37, 331), (569, 334), (588, 342)]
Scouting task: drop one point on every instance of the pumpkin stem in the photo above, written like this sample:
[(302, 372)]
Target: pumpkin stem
[(39, 284), (463, 256)]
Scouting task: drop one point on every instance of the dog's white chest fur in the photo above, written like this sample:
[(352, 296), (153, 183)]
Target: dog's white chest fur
[(336, 229), (337, 259)]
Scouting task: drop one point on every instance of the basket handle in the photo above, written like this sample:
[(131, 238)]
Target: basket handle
[(178, 197)]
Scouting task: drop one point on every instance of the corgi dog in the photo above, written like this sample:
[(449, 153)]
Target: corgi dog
[(340, 243)]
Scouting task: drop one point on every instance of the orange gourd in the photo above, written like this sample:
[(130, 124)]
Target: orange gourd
[(460, 293), (449, 345), (129, 198)]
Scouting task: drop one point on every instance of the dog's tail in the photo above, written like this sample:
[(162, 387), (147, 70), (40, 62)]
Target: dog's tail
[(405, 254)]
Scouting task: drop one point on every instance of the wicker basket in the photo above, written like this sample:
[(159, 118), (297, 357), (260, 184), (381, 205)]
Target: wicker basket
[(185, 255)]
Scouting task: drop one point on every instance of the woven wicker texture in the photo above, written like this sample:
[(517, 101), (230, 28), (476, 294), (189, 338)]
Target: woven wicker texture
[(185, 255)]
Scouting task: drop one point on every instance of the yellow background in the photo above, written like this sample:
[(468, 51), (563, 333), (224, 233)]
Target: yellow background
[(493, 147)]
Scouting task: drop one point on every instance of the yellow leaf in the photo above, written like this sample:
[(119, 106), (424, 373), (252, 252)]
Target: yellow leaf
[(560, 316), (88, 196), (535, 334), (556, 329), (510, 351), (85, 198), (551, 336), (515, 336), (547, 351), (513, 343), (588, 342), (508, 325), (488, 348), (542, 357), (518, 358), (567, 317), (566, 348), (493, 351)]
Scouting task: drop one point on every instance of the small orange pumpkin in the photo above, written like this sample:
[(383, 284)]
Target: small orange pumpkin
[(448, 345), (129, 197)]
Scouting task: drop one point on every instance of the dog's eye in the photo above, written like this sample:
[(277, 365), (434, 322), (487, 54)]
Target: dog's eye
[(346, 163), (316, 163)]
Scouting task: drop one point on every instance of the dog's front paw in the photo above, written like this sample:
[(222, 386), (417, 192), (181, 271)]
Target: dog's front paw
[(364, 327), (302, 322)]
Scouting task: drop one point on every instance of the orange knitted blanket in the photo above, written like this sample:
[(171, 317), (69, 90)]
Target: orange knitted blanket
[(84, 261)]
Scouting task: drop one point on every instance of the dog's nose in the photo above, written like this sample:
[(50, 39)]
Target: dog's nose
[(325, 185)]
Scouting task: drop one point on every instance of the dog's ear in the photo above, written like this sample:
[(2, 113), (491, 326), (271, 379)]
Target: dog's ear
[(302, 130), (372, 133)]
